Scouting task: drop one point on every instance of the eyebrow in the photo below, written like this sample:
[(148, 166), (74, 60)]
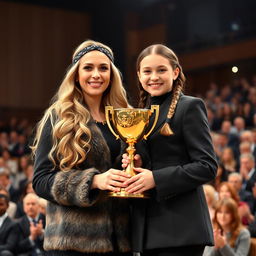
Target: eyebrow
[(88, 63), (161, 66)]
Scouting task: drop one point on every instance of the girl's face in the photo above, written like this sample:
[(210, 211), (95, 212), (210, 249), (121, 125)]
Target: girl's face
[(224, 217), (94, 73), (156, 75), (224, 192)]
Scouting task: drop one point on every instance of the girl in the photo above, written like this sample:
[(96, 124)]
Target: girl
[(175, 220)]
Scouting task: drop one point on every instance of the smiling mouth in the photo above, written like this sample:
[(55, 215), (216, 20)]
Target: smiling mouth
[(155, 85), (95, 84)]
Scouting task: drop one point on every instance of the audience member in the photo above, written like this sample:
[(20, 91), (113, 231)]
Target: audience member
[(233, 139), (42, 205), (13, 141), (228, 160), (236, 180), (10, 163), (29, 170), (230, 237), (22, 147), (26, 190), (8, 229), (6, 182), (247, 170), (23, 163), (12, 208), (239, 125), (220, 143), (31, 227), (226, 190)]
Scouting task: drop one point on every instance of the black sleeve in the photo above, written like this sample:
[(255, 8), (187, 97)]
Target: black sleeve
[(44, 172), (177, 179), (66, 188), (11, 238)]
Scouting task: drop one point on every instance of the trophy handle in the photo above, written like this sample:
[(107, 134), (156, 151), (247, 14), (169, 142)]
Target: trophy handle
[(156, 109), (110, 109)]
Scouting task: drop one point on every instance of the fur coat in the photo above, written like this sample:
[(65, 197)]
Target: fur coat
[(78, 218)]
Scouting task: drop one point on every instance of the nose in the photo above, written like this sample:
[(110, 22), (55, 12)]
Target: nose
[(95, 74), (154, 76)]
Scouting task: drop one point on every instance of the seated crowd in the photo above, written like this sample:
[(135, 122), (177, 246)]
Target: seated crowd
[(22, 212), (231, 196)]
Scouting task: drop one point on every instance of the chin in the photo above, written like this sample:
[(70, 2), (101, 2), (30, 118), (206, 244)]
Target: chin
[(156, 93)]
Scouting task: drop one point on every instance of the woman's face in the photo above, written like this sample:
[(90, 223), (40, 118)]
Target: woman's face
[(226, 154), (156, 75), (224, 192), (94, 74), (224, 217)]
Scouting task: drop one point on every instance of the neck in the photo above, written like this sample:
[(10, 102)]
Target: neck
[(95, 107), (226, 228)]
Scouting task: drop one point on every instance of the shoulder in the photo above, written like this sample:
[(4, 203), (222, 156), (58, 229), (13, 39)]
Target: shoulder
[(190, 104), (10, 223), (244, 233), (190, 99)]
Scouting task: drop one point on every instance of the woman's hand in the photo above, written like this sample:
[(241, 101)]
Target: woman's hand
[(126, 160), (141, 182), (219, 239), (111, 180)]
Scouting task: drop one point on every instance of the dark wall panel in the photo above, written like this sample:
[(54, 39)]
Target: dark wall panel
[(35, 48)]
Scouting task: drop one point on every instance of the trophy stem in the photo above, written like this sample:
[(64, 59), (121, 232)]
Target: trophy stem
[(130, 150)]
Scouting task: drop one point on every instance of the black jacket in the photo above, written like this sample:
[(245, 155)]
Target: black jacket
[(177, 213), (8, 235), (24, 245)]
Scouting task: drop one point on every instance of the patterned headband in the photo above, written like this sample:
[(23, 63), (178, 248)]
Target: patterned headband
[(90, 48)]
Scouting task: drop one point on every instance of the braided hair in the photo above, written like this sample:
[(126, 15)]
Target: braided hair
[(178, 83)]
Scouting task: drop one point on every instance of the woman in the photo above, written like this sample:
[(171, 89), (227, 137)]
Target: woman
[(226, 190), (74, 153), (228, 160), (175, 220), (230, 237)]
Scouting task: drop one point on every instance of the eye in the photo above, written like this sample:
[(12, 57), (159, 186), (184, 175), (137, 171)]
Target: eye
[(161, 70), (87, 67), (104, 68), (146, 71)]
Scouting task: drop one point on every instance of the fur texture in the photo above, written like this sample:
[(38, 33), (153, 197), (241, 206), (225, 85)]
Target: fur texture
[(86, 220)]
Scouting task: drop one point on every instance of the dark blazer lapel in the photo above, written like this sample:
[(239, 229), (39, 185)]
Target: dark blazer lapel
[(163, 111), (5, 225)]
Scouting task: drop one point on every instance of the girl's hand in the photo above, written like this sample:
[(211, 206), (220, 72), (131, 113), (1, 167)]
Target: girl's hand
[(141, 182), (111, 180), (126, 160)]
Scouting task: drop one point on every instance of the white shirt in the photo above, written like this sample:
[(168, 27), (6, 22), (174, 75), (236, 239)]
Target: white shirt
[(2, 218), (251, 172)]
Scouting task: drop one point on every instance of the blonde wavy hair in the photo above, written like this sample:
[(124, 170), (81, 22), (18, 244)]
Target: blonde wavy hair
[(69, 115)]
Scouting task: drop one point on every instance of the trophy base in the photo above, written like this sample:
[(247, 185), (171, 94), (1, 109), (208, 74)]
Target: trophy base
[(124, 194)]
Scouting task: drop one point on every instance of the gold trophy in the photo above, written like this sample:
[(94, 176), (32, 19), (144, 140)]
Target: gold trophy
[(130, 124)]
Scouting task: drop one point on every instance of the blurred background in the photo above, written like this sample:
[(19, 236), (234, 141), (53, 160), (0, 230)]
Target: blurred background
[(38, 38)]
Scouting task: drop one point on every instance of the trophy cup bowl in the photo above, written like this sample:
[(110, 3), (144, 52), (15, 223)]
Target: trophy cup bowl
[(131, 126)]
